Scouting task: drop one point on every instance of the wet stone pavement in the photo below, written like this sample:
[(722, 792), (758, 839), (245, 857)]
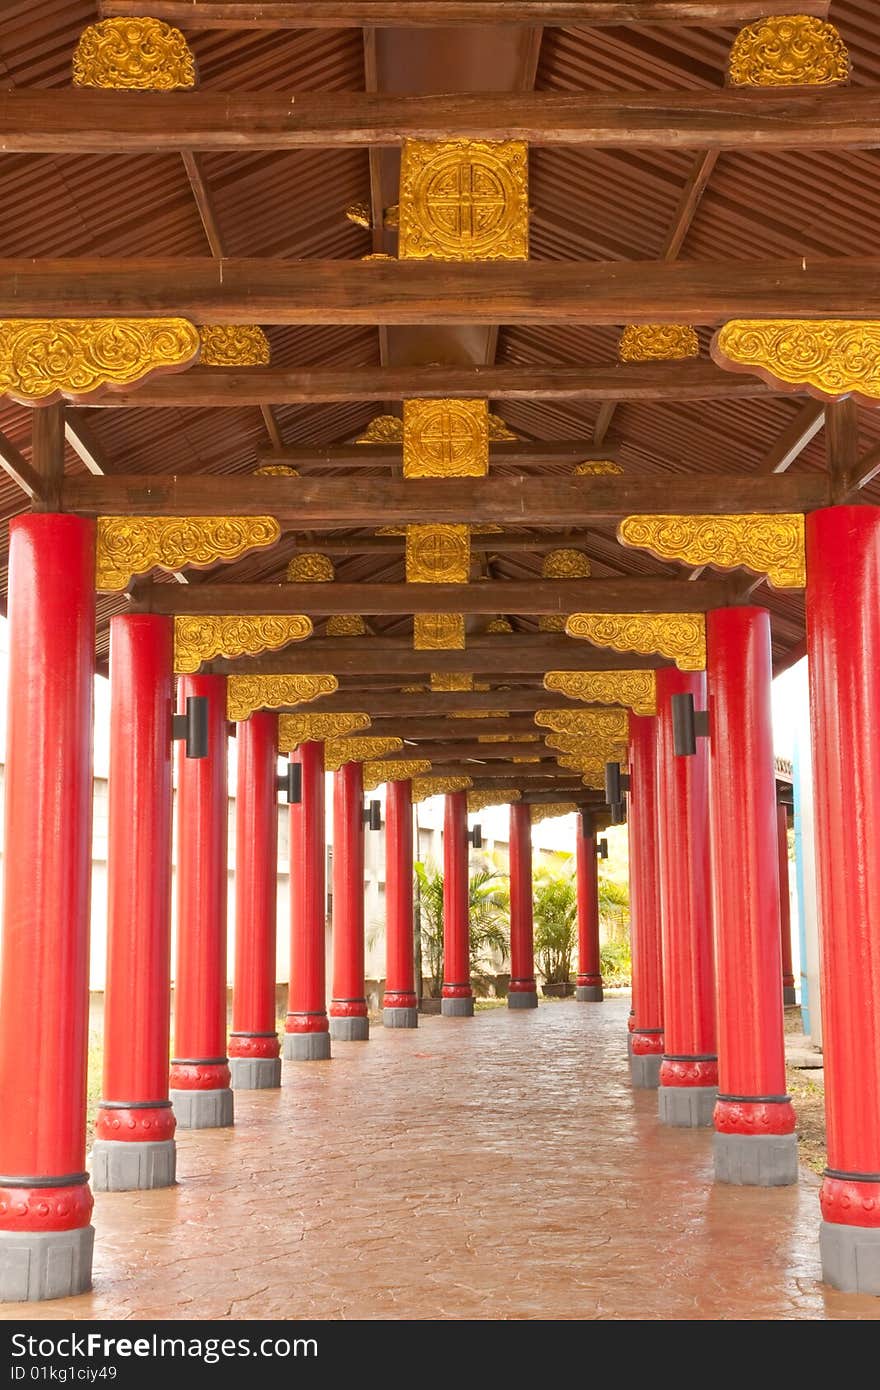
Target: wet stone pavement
[(495, 1167)]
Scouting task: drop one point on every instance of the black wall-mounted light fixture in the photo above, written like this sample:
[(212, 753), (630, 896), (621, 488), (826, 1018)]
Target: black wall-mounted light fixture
[(373, 815), (618, 813), (192, 727), (616, 783), (688, 724), (602, 849), (475, 837), (291, 783)]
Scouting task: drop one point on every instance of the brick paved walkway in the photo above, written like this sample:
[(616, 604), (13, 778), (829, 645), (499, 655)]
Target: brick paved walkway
[(498, 1167)]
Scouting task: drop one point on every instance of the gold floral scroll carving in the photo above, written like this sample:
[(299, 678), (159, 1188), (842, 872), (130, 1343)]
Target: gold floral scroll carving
[(658, 342), (438, 554), (425, 787), (275, 470), (500, 796), (438, 632), (464, 200), (338, 751), (445, 439), (591, 770), (360, 214), (294, 729), (311, 568), (479, 714), (203, 637), (45, 360), (788, 50), (234, 345), (637, 689), (562, 564), (596, 467), (451, 680), (143, 55), (382, 429), (552, 810), (346, 625), (498, 625), (244, 694), (399, 770), (768, 544), (828, 358), (679, 636), (129, 545), (585, 723), (499, 430)]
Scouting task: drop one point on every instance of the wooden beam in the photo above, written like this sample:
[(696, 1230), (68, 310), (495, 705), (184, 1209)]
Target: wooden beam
[(356, 656), (793, 440), (399, 14), (650, 595), (81, 439), (16, 467), (514, 453), (864, 472), (307, 504), (441, 727), (688, 203), (433, 704), (841, 444), (506, 773), (47, 454), (423, 292), (486, 752)]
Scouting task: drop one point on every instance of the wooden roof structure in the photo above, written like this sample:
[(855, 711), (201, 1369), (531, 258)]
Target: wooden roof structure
[(656, 193)]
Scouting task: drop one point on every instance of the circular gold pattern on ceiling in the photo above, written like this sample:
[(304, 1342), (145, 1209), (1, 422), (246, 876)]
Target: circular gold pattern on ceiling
[(464, 200)]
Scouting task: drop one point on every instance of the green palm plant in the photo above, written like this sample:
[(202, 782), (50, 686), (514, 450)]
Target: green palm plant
[(488, 919), (555, 916)]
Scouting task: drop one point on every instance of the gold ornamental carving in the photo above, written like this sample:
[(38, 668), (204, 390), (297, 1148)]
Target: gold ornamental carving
[(234, 345), (398, 770), (130, 545), (445, 439), (425, 787), (681, 637), (596, 467), (244, 694), (275, 470), (636, 689), (46, 360), (206, 636), (788, 50), (452, 681), (346, 625), (552, 810), (464, 200), (828, 358), (338, 751), (590, 752), (311, 568), (499, 625), (140, 55), (771, 544), (658, 342), (590, 770), (499, 430), (501, 796), (508, 738), (478, 714), (585, 723), (438, 554), (562, 564), (382, 429), (438, 632), (360, 214), (294, 729)]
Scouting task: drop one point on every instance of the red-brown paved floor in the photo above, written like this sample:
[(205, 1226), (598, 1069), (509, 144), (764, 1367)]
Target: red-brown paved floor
[(499, 1167)]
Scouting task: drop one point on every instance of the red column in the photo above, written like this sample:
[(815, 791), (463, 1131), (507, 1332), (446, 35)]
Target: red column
[(457, 996), (400, 1005), (755, 1143), (788, 995), (589, 978), (45, 1202), (647, 953), (348, 1006), (200, 1089), (306, 1030), (254, 1054), (843, 646), (134, 1131), (523, 992), (689, 1070)]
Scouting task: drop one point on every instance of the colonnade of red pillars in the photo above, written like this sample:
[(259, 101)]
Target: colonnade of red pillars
[(706, 852)]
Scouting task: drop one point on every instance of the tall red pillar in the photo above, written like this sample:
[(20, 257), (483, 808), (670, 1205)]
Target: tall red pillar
[(200, 1090), (647, 1034), (254, 1053), (789, 997), (589, 977), (306, 1030), (689, 1069), (457, 997), (523, 991), (348, 1006), (45, 1203), (755, 1143), (843, 647), (400, 1005), (134, 1132)]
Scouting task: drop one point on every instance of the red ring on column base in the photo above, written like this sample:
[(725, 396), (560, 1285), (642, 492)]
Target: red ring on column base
[(198, 1076), (647, 1044), (138, 1126), (523, 986), (306, 1023), (848, 1202), (595, 981), (688, 1073), (788, 982), (254, 1045), (45, 1208), (754, 1117), (399, 999), (456, 992), (348, 1008), (630, 1021)]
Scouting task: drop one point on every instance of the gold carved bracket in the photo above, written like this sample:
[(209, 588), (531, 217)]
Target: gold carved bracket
[(399, 770), (425, 787), (636, 689), (827, 358), (338, 751), (206, 636), (245, 694), (771, 544), (499, 796), (46, 360), (130, 545), (294, 729), (681, 637), (552, 810)]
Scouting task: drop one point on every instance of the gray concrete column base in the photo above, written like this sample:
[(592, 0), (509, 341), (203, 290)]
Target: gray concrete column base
[(120, 1167), (36, 1265), (629, 1043), (588, 994), (644, 1070), (789, 996), (525, 999), (850, 1257), (688, 1107), (400, 1018), (255, 1073), (203, 1109), (756, 1160), (306, 1047), (350, 1029), (457, 1008)]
